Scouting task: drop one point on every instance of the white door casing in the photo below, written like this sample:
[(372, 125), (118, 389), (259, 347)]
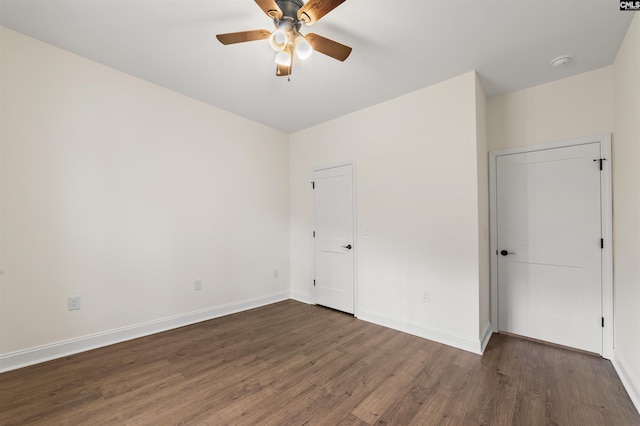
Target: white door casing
[(334, 237), (550, 207)]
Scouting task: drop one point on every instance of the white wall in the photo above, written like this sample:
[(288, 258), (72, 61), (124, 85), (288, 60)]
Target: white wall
[(483, 213), (417, 194), (564, 109), (626, 209), (123, 192)]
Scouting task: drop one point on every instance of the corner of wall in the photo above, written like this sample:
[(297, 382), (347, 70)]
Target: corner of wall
[(626, 210), (627, 377), (484, 295)]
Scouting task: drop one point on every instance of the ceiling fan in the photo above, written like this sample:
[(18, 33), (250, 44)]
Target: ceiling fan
[(288, 16)]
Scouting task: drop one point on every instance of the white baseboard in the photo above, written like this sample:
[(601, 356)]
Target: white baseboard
[(630, 382), (431, 333), (302, 297), (19, 359), (486, 334)]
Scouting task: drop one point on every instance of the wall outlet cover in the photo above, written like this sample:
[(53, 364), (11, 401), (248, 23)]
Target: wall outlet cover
[(73, 303)]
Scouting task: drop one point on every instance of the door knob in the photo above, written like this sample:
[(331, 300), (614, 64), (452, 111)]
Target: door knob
[(504, 252), (348, 246)]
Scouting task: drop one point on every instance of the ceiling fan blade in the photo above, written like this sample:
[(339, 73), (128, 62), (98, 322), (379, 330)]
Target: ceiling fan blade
[(242, 36), (328, 47), (283, 70), (270, 7), (313, 10)]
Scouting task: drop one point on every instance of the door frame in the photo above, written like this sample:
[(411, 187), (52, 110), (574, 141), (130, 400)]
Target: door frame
[(606, 228), (354, 237)]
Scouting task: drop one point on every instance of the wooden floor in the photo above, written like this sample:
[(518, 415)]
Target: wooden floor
[(291, 363)]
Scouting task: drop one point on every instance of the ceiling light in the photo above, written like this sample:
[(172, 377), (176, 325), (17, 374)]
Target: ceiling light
[(561, 61), (283, 58), (302, 47), (288, 17), (278, 39)]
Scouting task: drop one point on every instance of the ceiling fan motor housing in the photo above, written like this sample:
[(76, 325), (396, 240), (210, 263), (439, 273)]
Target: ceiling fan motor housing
[(290, 10)]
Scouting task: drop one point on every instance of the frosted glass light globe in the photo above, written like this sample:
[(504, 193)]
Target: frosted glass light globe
[(278, 40), (303, 48), (283, 58)]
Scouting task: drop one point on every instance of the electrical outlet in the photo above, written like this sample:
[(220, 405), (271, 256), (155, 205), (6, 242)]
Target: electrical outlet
[(73, 303), (197, 285), (275, 273), (425, 296)]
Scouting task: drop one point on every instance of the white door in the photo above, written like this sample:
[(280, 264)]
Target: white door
[(334, 237), (549, 245)]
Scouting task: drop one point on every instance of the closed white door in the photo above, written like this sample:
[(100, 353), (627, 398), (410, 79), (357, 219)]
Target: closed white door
[(549, 245), (334, 237)]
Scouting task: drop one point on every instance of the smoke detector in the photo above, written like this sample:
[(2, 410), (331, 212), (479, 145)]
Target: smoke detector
[(561, 61)]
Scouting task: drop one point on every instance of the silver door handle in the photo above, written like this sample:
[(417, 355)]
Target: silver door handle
[(348, 246), (504, 252)]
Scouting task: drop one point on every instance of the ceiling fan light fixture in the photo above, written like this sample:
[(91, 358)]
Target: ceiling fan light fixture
[(288, 17), (283, 58), (302, 47), (278, 39)]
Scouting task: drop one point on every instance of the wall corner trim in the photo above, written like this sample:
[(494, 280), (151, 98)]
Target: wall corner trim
[(426, 332), (485, 336), (24, 358)]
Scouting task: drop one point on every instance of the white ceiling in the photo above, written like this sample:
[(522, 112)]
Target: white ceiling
[(398, 46)]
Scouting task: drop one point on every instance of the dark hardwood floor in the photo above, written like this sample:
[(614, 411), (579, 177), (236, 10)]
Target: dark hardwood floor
[(291, 363)]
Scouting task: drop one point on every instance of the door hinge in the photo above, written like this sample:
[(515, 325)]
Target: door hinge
[(314, 284), (313, 184), (314, 234), (602, 317), (601, 243), (600, 160)]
